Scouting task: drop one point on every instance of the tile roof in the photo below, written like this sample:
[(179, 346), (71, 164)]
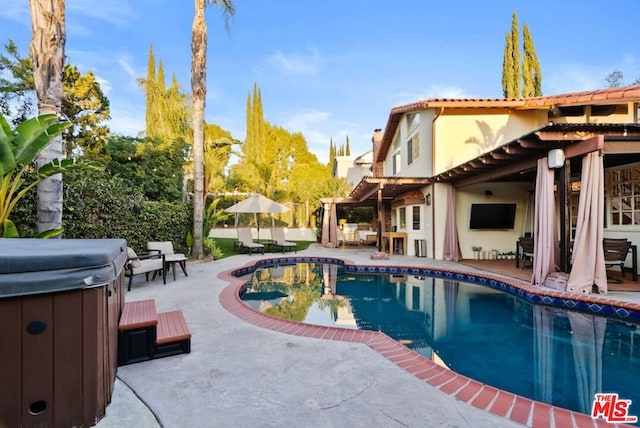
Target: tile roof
[(597, 97)]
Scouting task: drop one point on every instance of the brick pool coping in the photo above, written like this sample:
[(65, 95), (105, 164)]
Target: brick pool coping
[(498, 402)]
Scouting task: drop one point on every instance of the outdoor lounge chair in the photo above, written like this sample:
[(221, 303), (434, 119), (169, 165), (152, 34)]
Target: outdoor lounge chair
[(526, 250), (245, 240), (615, 254), (144, 263), (171, 258), (278, 240)]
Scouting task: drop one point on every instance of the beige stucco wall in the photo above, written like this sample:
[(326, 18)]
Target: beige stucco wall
[(462, 137), (502, 240), (420, 167)]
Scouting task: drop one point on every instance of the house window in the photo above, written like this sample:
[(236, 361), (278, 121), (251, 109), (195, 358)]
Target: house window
[(396, 162), (402, 218), (625, 196), (416, 218), (413, 120), (415, 298), (396, 141), (413, 149)]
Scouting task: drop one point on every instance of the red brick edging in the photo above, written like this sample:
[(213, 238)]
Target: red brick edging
[(498, 402)]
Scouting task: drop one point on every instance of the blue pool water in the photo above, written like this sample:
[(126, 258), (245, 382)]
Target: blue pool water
[(549, 354)]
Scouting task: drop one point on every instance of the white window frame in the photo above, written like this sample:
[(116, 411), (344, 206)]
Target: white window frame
[(413, 148), (623, 190)]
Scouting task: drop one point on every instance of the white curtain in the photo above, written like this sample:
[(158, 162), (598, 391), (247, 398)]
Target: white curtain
[(587, 337), (451, 246), (329, 226), (545, 238), (587, 260)]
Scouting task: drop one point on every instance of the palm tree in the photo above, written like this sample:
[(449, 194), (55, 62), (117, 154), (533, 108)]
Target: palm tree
[(47, 52), (199, 89)]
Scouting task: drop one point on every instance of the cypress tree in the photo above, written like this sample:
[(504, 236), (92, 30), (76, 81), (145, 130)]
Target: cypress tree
[(531, 74), (511, 74), (160, 81), (348, 149), (507, 67), (515, 36), (150, 93), (332, 152)]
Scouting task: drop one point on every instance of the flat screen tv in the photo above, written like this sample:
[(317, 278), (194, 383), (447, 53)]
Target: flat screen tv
[(492, 216)]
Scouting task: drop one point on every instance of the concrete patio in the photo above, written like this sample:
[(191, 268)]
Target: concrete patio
[(239, 374)]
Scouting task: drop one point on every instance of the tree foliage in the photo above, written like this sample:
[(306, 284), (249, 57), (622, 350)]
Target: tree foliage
[(167, 114), (157, 172), (279, 165), (513, 73), (84, 104), (615, 79), (531, 74)]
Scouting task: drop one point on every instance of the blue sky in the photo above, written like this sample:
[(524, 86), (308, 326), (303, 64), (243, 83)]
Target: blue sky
[(335, 68)]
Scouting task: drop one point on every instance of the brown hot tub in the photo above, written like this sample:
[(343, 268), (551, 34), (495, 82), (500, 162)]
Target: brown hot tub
[(60, 302)]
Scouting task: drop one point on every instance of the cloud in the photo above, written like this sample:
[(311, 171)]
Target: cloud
[(116, 13), (434, 91), (17, 11), (319, 127), (126, 122), (125, 63), (296, 63)]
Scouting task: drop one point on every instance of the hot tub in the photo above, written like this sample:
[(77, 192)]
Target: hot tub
[(60, 302)]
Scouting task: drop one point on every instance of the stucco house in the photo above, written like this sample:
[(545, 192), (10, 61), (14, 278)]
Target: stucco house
[(485, 153)]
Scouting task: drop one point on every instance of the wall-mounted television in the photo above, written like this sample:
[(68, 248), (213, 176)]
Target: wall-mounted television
[(492, 216)]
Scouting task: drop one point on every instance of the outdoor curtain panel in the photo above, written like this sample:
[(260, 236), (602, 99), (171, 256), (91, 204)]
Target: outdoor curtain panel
[(587, 339), (545, 243), (587, 260), (451, 246), (329, 226)]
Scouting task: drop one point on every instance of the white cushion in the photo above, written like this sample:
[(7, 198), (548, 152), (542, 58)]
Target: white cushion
[(165, 247), (133, 257)]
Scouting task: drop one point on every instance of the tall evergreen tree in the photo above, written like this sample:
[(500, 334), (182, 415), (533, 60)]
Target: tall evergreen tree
[(531, 74), (515, 37), (150, 101), (347, 150), (167, 114), (332, 153), (512, 72), (507, 68)]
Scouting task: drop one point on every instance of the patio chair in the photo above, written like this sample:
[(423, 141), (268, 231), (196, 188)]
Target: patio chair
[(171, 258), (615, 254), (138, 264), (245, 240), (526, 250), (278, 240), (351, 236)]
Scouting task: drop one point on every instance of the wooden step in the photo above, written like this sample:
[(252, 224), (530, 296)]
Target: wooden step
[(138, 314), (172, 334), (137, 332)]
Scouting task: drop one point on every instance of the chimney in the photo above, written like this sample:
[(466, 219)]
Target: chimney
[(377, 142)]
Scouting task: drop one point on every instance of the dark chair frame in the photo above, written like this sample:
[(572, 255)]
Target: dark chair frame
[(526, 250), (615, 254)]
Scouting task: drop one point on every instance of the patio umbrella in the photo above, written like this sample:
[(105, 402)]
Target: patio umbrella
[(256, 204)]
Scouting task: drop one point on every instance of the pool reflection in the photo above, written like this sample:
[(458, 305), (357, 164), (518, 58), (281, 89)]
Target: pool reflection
[(549, 354)]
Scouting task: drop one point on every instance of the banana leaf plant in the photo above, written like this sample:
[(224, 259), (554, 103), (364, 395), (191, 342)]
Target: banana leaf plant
[(18, 150)]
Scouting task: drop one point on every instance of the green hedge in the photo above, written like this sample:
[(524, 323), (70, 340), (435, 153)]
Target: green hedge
[(98, 205)]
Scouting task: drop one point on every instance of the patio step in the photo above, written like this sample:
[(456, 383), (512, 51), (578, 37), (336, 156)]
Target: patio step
[(144, 334)]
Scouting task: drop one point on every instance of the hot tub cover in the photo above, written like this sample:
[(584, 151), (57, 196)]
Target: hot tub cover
[(35, 266)]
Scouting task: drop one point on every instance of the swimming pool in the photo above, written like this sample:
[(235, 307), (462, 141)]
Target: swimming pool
[(479, 327)]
